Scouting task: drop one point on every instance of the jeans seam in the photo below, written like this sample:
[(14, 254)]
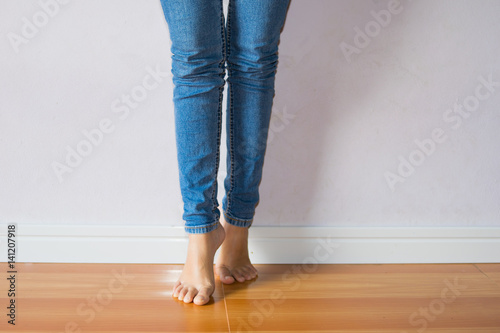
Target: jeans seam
[(230, 111), (228, 30), (219, 114)]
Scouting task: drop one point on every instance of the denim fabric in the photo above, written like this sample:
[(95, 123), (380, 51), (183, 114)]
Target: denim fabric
[(203, 47)]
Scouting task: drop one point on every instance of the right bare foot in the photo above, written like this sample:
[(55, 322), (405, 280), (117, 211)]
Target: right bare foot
[(196, 283)]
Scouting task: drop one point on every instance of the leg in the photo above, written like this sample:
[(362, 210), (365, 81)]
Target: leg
[(198, 65), (253, 32)]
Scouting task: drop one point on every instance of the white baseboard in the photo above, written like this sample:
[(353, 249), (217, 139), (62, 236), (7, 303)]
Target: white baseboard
[(268, 245)]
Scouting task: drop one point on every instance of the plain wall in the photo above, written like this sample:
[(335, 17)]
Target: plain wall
[(342, 124)]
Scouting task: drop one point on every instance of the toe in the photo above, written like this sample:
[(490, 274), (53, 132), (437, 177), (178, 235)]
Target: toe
[(239, 275), (242, 271), (175, 290), (247, 273), (203, 296), (225, 275), (190, 295), (182, 293), (253, 272), (176, 284), (228, 279)]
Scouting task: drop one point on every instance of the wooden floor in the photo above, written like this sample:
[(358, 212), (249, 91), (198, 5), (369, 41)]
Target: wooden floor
[(283, 298)]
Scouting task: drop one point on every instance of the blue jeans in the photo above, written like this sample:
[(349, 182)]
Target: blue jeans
[(202, 47)]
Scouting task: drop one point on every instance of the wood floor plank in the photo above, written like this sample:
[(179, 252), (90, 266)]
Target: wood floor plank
[(364, 297), (112, 298), (120, 315), (96, 268), (375, 268), (389, 330), (72, 281), (357, 314), (297, 282)]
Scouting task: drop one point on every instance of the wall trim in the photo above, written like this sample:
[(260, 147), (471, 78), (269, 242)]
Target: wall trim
[(268, 245)]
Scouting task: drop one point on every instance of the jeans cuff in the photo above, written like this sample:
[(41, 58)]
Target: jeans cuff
[(237, 222), (202, 229)]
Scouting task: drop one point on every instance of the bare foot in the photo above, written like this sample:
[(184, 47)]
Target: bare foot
[(196, 283), (233, 261)]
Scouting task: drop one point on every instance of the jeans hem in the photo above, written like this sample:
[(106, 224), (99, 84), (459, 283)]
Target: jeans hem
[(202, 229), (237, 222)]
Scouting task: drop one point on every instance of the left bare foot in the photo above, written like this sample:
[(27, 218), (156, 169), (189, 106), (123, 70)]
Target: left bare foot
[(233, 262)]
